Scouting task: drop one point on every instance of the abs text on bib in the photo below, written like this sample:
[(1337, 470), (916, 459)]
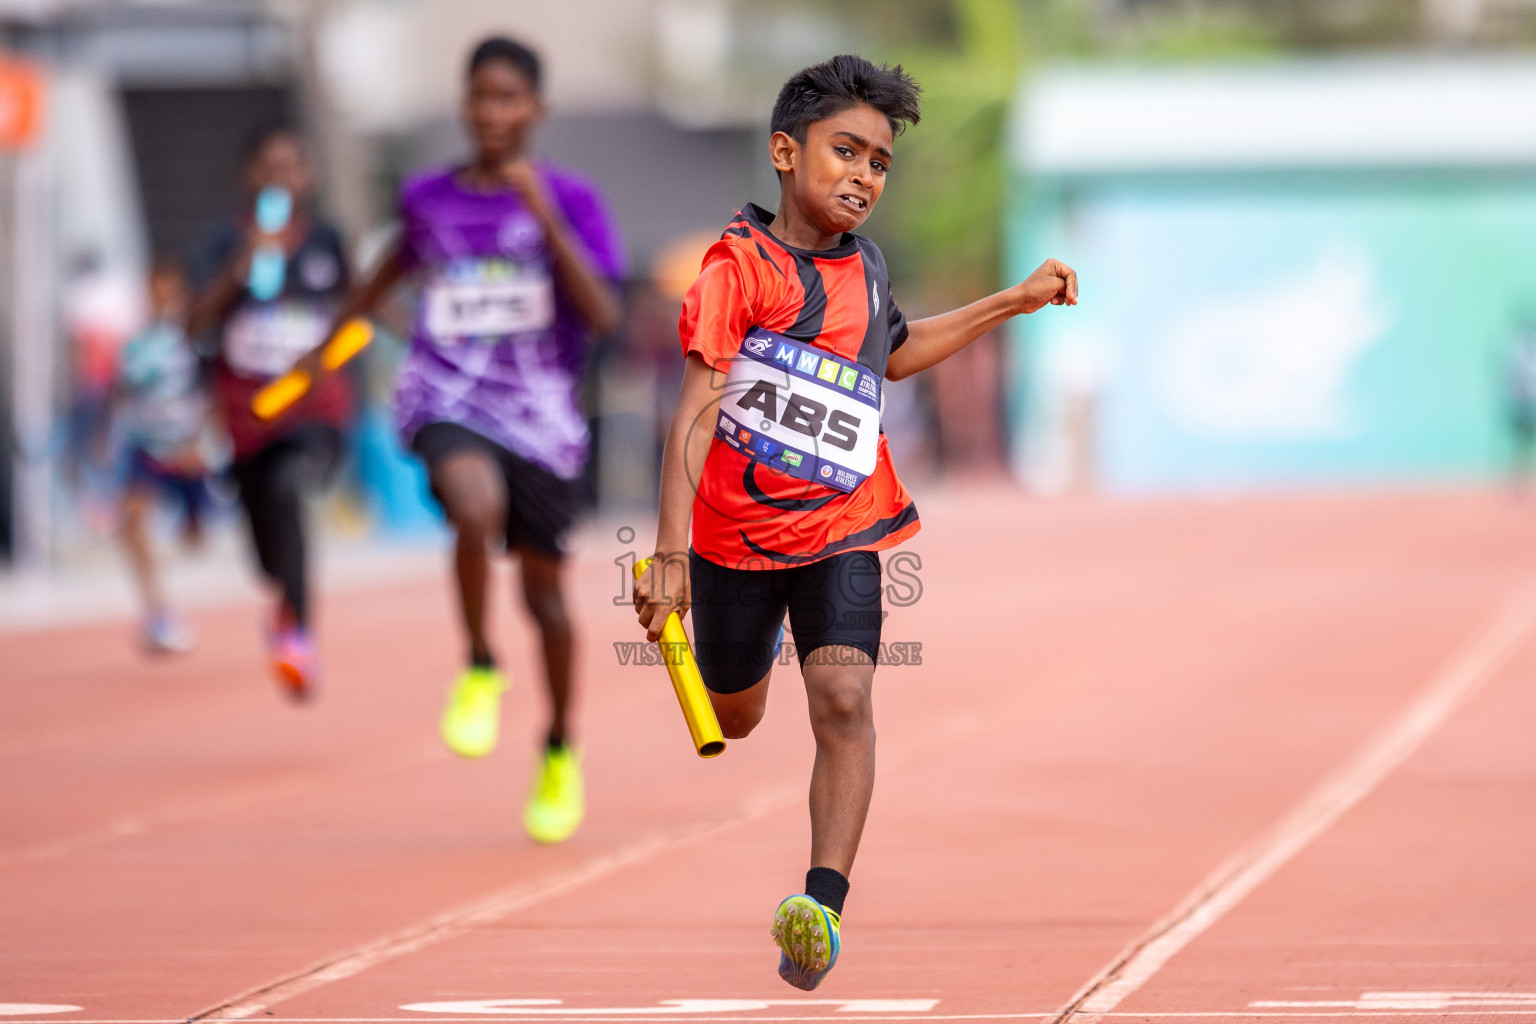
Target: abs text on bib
[(801, 410)]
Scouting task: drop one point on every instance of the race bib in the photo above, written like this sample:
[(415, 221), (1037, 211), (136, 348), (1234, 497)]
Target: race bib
[(265, 339), (488, 299), (801, 410)]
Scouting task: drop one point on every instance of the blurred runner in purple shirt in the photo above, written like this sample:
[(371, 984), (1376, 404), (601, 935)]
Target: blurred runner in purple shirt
[(497, 347), (517, 264)]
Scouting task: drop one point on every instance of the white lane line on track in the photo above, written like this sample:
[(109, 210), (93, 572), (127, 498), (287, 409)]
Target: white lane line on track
[(498, 905), (480, 913), (1466, 673)]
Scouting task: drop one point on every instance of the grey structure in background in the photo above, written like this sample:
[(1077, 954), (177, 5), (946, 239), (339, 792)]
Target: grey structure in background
[(662, 103), (149, 105)]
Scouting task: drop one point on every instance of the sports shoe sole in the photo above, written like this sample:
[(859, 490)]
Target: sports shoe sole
[(804, 935), (293, 682), (480, 743)]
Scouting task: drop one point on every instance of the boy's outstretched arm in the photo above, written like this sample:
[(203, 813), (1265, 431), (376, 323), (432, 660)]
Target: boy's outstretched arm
[(936, 338), (663, 588)]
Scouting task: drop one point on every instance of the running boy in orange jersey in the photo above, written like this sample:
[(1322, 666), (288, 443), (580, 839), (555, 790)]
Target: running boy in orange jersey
[(788, 333)]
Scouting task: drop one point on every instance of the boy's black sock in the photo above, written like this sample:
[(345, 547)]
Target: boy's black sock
[(828, 887), (481, 659)]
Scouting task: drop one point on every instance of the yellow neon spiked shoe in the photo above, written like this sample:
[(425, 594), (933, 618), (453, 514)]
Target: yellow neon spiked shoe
[(472, 720), (559, 799), (808, 936)]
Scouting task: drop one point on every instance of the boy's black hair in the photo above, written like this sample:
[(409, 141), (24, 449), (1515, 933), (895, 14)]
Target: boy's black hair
[(824, 90), (510, 50)]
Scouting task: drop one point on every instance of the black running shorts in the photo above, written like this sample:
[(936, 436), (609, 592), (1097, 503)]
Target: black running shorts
[(540, 505), (737, 613)]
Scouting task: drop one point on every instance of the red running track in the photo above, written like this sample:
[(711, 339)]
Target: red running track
[(1163, 761)]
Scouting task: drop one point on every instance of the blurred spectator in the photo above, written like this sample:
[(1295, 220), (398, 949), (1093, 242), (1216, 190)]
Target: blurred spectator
[(967, 405), (651, 373)]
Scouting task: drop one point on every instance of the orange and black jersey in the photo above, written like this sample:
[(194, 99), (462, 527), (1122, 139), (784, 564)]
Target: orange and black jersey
[(747, 514)]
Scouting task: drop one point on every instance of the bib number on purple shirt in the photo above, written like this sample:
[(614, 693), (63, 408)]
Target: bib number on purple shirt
[(488, 300)]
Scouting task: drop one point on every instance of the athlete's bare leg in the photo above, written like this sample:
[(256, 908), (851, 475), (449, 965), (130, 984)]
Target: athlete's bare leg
[(839, 681), (740, 712), (138, 503), (545, 598), (474, 498)]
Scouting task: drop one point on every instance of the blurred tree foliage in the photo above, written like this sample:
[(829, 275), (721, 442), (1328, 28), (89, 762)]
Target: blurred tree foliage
[(944, 213), (943, 217), (1180, 28), (942, 221)]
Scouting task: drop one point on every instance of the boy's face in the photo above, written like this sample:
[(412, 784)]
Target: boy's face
[(836, 176), (167, 293), (501, 108), (280, 161)]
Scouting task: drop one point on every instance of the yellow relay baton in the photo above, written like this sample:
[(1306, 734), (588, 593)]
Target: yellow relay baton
[(687, 683), (278, 397)]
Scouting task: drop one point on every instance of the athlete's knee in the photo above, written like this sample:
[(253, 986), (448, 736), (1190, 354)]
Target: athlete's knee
[(738, 720), (473, 497), (739, 726), (479, 519), (840, 703), (548, 610), (136, 507), (845, 704), (739, 713)]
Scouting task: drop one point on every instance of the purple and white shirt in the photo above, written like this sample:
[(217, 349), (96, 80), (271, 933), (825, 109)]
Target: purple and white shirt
[(498, 347)]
